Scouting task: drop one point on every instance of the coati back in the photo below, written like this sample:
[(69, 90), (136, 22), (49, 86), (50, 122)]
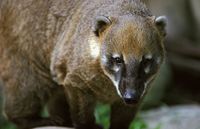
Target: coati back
[(82, 50)]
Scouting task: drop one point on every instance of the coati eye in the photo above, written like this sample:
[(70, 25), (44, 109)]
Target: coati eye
[(117, 60), (147, 62), (148, 66)]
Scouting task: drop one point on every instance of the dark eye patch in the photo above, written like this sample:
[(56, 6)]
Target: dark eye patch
[(117, 60), (113, 62), (147, 63)]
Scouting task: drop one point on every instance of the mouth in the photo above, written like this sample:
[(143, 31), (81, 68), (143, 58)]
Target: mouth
[(130, 101)]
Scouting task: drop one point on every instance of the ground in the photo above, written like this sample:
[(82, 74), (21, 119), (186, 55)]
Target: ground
[(176, 117)]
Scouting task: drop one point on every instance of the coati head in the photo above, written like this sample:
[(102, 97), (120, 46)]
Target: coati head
[(131, 52)]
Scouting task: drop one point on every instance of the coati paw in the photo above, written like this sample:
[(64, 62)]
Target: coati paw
[(97, 126), (59, 122)]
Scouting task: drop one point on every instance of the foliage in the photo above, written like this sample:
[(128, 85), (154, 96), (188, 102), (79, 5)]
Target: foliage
[(102, 115)]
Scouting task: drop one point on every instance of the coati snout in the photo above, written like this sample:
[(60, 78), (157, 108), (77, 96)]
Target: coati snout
[(130, 55)]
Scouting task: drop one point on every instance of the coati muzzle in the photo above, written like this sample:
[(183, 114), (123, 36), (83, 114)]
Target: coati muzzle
[(131, 90), (131, 96), (133, 78)]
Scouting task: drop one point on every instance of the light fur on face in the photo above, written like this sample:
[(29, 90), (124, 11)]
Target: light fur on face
[(94, 47)]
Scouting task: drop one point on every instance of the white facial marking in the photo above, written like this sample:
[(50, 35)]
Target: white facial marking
[(116, 84), (104, 59), (148, 56), (140, 60), (117, 87), (146, 85), (158, 61), (147, 69), (94, 47), (115, 55), (116, 68)]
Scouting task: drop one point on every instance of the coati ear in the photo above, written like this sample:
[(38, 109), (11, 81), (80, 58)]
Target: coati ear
[(100, 25), (161, 23)]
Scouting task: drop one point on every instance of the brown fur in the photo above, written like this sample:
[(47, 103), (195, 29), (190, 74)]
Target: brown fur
[(40, 38)]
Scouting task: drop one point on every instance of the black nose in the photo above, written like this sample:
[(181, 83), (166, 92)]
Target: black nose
[(131, 97)]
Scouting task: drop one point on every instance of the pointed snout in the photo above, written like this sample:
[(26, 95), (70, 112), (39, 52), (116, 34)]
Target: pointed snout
[(131, 97)]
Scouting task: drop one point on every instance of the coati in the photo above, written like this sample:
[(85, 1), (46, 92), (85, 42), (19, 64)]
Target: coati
[(71, 54)]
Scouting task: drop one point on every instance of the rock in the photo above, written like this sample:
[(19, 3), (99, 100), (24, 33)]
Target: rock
[(178, 117), (51, 127)]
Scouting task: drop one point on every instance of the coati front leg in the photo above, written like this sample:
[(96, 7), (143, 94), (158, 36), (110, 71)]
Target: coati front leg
[(58, 108), (24, 110), (82, 108), (122, 115), (24, 97)]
